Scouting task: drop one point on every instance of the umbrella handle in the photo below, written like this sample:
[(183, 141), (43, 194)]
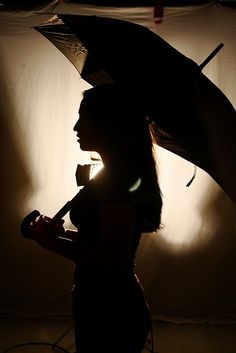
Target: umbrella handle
[(33, 215), (211, 56), (27, 221)]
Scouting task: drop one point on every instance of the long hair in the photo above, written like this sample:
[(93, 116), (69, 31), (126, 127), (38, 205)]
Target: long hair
[(120, 119)]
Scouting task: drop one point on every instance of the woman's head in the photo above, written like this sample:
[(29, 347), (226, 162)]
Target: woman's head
[(109, 118)]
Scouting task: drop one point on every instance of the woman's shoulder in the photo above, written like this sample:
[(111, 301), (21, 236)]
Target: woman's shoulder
[(103, 188)]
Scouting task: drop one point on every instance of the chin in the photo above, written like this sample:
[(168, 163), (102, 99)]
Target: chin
[(85, 149), (82, 147)]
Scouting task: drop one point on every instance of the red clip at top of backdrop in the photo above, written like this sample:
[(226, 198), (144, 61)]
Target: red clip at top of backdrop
[(158, 11)]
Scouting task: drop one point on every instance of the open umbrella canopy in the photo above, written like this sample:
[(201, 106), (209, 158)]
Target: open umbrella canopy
[(193, 118)]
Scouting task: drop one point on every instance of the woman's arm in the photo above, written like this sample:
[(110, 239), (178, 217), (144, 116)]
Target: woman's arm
[(114, 248), (52, 236)]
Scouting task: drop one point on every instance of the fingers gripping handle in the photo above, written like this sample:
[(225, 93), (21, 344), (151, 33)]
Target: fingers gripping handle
[(32, 217)]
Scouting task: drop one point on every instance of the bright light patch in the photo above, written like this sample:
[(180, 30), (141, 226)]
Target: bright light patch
[(95, 168), (184, 208), (136, 185)]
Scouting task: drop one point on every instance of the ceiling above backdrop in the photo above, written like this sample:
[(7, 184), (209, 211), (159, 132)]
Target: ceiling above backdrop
[(115, 3)]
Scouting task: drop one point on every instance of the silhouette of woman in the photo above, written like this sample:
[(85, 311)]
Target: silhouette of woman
[(110, 214)]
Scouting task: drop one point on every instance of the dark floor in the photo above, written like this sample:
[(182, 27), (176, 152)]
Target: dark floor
[(168, 338)]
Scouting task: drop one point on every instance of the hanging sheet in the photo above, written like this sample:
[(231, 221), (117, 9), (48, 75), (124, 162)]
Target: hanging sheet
[(188, 269)]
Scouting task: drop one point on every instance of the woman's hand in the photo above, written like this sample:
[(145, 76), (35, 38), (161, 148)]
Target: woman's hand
[(46, 231)]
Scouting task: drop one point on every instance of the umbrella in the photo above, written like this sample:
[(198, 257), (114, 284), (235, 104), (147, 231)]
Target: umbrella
[(192, 116)]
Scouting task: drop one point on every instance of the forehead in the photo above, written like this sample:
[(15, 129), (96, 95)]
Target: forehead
[(94, 110), (83, 107), (85, 111)]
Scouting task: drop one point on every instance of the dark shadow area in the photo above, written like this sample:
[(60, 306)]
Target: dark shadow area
[(25, 272), (16, 186)]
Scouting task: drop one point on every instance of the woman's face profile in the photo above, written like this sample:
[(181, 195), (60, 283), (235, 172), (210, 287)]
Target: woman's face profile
[(88, 136)]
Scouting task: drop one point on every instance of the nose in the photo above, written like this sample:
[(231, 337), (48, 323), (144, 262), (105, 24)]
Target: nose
[(75, 128)]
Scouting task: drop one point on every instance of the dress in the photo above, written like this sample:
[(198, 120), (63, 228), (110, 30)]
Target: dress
[(109, 308)]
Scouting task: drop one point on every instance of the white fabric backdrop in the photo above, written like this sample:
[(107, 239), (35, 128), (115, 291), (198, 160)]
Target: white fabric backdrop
[(188, 269)]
